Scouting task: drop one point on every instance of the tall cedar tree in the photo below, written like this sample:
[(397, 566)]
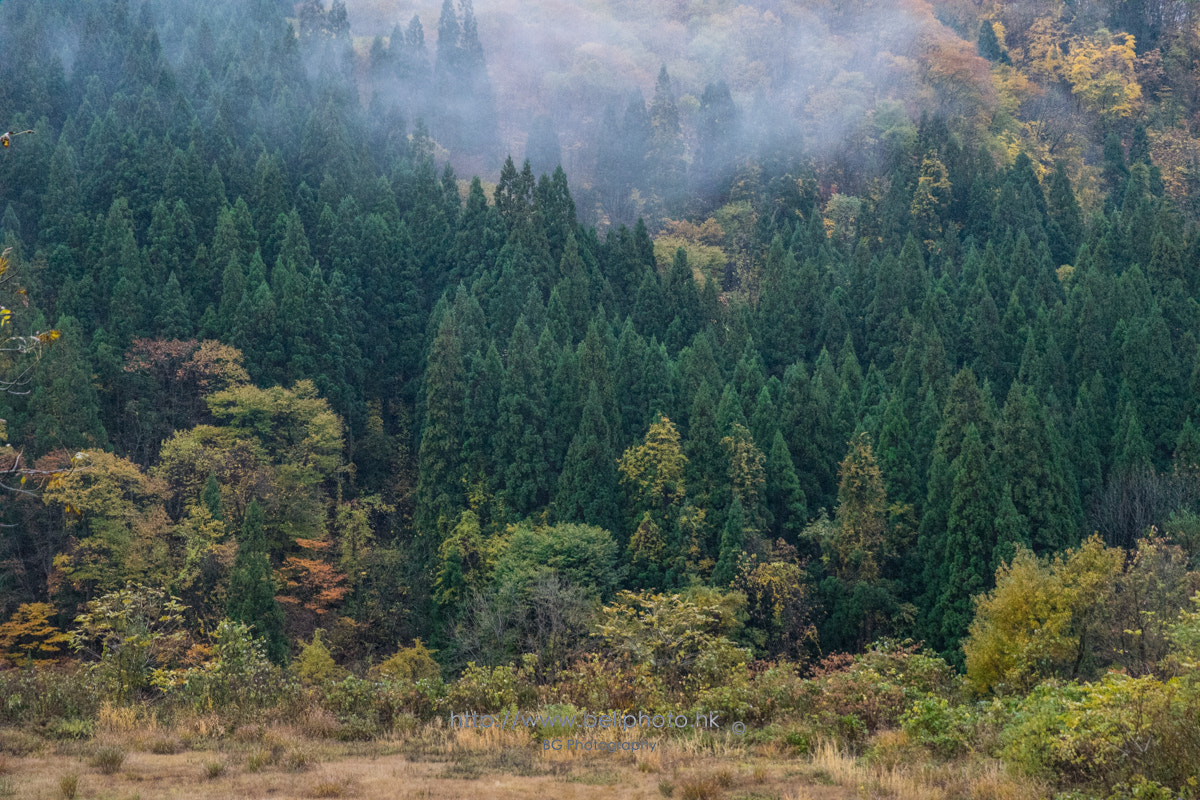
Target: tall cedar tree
[(252, 587)]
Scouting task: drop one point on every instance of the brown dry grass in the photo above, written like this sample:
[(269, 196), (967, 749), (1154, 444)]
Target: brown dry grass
[(279, 762), (916, 779)]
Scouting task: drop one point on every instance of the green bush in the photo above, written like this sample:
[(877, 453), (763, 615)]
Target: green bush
[(71, 729), (753, 699), (238, 678), (486, 691), (357, 729), (877, 687), (38, 697), (560, 710), (1142, 789), (1105, 734), (130, 633), (354, 697), (946, 729), (410, 664), (315, 664), (600, 683), (799, 740)]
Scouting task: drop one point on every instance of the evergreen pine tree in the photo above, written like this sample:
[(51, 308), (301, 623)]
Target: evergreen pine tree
[(1033, 458), (587, 487), (173, 320), (703, 448), (521, 440), (733, 543), (784, 498), (252, 587), (970, 540), (989, 45), (65, 396), (440, 492)]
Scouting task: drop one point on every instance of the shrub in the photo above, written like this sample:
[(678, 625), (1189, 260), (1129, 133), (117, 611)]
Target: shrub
[(357, 729), (697, 788), (165, 747), (1106, 733), (755, 699), (679, 636), (239, 677), (214, 769), (68, 785), (130, 632), (856, 696), (945, 729), (315, 665), (108, 759), (71, 729), (1141, 789), (329, 787), (260, 760), (37, 697), (18, 743), (410, 664), (298, 760), (359, 704), (891, 748), (600, 683), (800, 740), (486, 691)]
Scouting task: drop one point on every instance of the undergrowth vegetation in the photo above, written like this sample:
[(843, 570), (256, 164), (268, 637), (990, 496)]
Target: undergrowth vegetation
[(894, 717)]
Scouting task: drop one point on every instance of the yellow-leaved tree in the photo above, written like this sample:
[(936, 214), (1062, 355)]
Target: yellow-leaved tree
[(1066, 617), (30, 637), (1102, 72)]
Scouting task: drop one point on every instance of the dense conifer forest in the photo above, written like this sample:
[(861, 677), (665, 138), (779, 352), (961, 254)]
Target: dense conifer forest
[(285, 374)]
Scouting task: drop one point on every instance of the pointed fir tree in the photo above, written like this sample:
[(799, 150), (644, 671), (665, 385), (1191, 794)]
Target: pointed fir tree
[(705, 455), (1187, 451), (970, 540), (211, 497), (1012, 530), (785, 499), (733, 544), (173, 320), (252, 587), (587, 487), (522, 449), (440, 495), (1034, 461)]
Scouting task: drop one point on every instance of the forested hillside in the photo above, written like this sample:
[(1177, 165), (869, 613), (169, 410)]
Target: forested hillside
[(824, 356)]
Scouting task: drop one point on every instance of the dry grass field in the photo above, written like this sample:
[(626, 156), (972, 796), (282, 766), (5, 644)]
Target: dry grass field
[(139, 760)]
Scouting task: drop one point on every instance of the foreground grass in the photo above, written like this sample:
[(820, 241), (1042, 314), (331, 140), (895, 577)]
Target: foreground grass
[(283, 762)]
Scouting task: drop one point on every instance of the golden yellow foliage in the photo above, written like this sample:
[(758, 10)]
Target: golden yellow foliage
[(1101, 71), (930, 199), (1176, 152), (29, 635), (1034, 623)]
